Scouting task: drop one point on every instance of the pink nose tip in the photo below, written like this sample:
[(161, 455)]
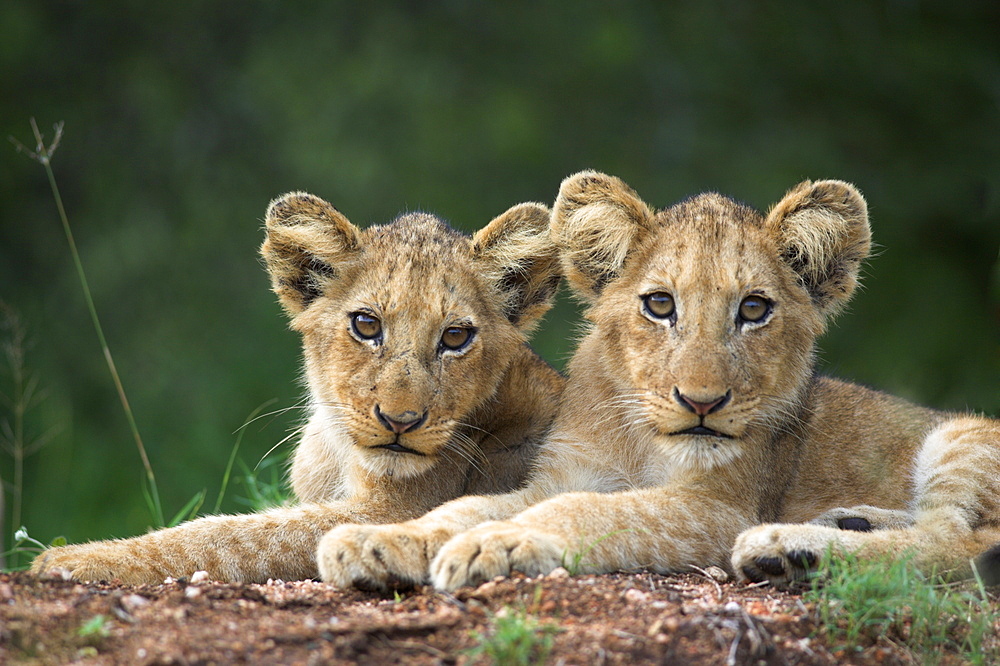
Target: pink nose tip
[(400, 423), (702, 408)]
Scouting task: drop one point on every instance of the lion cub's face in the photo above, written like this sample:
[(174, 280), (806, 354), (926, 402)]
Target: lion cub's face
[(409, 327), (706, 312)]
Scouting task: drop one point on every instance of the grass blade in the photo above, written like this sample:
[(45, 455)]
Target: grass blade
[(43, 155)]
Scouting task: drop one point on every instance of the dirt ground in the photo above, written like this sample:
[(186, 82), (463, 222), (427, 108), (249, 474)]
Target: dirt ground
[(610, 619)]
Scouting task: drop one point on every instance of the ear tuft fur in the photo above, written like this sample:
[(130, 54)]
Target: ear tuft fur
[(596, 220), (307, 243), (823, 233), (517, 255)]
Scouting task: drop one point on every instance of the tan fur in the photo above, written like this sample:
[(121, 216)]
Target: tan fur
[(485, 407), (787, 445)]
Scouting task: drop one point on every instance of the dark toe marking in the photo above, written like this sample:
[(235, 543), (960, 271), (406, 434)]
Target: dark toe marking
[(770, 565), (368, 585), (753, 575), (854, 524), (802, 558), (395, 583)]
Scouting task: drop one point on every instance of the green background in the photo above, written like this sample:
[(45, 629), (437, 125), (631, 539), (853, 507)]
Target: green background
[(183, 119)]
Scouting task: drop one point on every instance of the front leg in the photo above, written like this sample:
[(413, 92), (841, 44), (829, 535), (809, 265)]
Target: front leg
[(280, 543), (660, 529)]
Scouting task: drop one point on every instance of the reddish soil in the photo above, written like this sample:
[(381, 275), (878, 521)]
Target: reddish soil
[(612, 619)]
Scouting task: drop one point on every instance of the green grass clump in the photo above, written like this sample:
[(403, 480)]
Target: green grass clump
[(95, 627), (264, 485), (858, 600), (514, 638)]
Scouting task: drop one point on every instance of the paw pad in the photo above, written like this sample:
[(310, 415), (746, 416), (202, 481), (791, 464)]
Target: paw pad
[(770, 565), (802, 558), (854, 524)]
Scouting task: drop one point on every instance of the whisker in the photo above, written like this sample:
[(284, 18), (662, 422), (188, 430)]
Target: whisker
[(274, 412), (463, 424), (295, 432), (467, 449)]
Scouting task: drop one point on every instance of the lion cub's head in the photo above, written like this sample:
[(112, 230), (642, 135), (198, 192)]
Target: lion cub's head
[(408, 327), (705, 313)]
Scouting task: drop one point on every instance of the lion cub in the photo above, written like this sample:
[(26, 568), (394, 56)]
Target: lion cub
[(422, 387), (693, 414)]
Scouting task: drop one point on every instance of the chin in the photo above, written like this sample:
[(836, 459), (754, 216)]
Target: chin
[(383, 462), (695, 452)]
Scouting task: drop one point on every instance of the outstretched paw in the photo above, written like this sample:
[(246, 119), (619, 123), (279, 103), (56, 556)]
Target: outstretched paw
[(377, 557), (494, 549), (864, 518), (781, 554), (97, 561)]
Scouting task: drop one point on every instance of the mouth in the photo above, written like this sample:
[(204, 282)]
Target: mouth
[(702, 431), (396, 447)]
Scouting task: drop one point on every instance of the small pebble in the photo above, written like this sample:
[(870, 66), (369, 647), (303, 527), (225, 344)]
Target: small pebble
[(717, 573), (192, 592), (634, 596), (199, 577), (558, 572), (57, 573), (486, 589), (731, 607), (133, 602)]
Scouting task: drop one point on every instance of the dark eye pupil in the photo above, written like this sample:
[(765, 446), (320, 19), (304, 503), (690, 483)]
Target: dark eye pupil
[(660, 304), (455, 337), (753, 308), (366, 326)]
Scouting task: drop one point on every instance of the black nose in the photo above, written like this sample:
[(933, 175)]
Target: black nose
[(699, 407), (400, 423)]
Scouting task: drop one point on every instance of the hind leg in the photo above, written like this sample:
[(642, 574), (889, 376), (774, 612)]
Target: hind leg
[(864, 518), (956, 514)]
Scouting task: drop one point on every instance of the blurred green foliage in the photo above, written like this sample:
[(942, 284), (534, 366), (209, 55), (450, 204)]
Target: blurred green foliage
[(184, 119)]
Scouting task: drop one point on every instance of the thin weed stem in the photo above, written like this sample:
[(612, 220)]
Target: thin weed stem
[(43, 155), (236, 448)]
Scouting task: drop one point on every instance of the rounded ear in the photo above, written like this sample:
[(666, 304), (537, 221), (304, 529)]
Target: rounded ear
[(516, 255), (596, 220), (308, 242), (823, 234)]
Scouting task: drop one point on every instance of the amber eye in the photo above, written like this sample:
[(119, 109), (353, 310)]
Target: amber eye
[(456, 337), (754, 308), (366, 326), (659, 304)]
